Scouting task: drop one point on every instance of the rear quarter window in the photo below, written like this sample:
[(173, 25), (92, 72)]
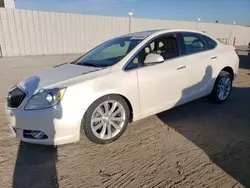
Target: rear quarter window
[(193, 43), (211, 44)]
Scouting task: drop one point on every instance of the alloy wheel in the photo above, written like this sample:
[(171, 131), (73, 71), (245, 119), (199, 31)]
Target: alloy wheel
[(224, 87), (108, 119)]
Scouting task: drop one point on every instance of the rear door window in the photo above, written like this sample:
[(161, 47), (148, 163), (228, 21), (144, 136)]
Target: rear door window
[(194, 43)]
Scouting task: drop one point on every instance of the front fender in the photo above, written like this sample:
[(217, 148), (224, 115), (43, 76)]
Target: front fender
[(83, 95)]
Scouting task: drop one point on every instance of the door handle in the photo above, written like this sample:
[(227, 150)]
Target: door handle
[(181, 67), (214, 57)]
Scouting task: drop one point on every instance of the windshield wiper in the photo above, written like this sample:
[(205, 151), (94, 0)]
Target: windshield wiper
[(61, 64), (88, 64)]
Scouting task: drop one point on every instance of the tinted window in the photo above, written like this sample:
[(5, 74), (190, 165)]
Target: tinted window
[(115, 50), (193, 43), (165, 46), (211, 44)]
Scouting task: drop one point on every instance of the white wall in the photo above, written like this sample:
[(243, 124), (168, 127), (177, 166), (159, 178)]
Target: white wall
[(7, 3), (25, 32)]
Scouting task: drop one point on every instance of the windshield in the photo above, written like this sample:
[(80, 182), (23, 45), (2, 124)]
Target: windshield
[(109, 53)]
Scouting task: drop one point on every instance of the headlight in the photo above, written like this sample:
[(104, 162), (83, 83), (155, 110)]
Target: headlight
[(45, 99)]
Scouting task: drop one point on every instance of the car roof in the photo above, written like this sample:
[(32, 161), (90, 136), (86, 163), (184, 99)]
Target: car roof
[(143, 34)]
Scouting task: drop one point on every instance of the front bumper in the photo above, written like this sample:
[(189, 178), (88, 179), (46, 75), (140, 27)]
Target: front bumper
[(60, 124)]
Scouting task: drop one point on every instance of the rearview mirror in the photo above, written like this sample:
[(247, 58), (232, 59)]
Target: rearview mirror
[(153, 59), (122, 44)]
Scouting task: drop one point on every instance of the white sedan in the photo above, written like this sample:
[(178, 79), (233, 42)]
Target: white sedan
[(122, 80)]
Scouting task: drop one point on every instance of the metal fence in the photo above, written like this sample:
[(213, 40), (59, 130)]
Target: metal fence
[(26, 32)]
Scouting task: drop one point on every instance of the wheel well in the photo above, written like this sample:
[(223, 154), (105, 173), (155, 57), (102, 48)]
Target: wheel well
[(130, 108), (229, 70)]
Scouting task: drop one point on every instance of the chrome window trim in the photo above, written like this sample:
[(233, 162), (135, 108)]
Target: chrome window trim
[(124, 67)]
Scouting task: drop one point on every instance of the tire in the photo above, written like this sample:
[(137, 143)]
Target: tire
[(93, 111), (214, 96)]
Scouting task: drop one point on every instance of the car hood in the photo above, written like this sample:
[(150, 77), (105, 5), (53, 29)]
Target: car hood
[(56, 75)]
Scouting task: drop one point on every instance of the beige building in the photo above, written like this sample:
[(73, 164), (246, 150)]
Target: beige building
[(7, 3)]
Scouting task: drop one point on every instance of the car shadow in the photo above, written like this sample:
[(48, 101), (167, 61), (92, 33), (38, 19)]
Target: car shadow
[(36, 164), (221, 131)]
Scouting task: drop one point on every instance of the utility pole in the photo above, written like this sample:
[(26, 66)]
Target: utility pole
[(199, 19), (130, 14), (229, 38)]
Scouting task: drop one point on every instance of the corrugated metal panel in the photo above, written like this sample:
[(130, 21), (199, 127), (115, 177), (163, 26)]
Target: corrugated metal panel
[(13, 32), (32, 34), (7, 35), (38, 33), (2, 37), (24, 32)]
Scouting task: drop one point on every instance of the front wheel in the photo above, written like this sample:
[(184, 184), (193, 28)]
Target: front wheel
[(222, 87), (106, 119)]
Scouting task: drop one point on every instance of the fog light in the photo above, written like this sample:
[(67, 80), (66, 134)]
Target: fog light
[(34, 134), (37, 135)]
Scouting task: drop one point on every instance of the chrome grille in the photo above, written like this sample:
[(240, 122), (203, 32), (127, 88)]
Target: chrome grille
[(15, 97)]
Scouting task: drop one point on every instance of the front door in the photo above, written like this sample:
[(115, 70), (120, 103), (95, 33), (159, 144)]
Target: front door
[(161, 85)]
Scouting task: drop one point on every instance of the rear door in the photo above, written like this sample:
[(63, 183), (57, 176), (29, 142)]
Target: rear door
[(202, 60)]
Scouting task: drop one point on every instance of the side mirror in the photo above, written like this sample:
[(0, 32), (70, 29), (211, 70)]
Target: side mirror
[(153, 59)]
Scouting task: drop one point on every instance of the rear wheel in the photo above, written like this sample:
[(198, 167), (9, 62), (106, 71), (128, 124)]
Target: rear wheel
[(222, 87), (106, 119)]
